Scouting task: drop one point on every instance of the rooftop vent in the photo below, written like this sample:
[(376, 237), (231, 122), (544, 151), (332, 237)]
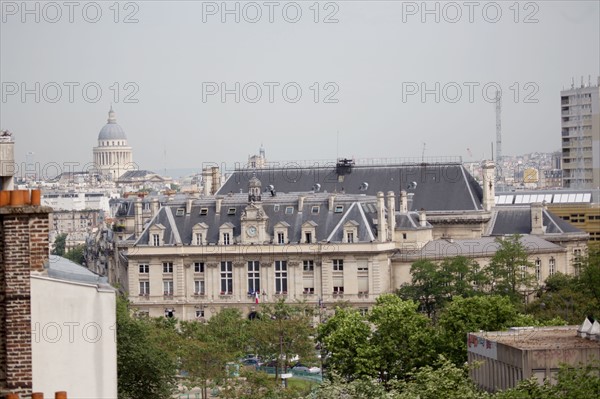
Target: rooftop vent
[(363, 186)]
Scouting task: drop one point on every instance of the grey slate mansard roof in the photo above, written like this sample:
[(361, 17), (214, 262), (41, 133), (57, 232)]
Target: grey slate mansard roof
[(484, 246), (329, 224), (439, 187), (517, 220)]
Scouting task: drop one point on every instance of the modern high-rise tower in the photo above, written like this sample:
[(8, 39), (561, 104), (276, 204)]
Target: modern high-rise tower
[(580, 123)]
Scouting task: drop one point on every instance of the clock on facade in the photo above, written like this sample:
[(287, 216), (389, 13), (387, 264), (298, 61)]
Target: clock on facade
[(251, 231)]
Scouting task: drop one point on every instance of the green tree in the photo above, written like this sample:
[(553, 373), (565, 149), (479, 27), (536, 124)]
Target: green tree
[(402, 339), (509, 270), (434, 284), (589, 280), (146, 356), (464, 315), (77, 254), (385, 345), (346, 340), (283, 331), (444, 380), (561, 296), (59, 244)]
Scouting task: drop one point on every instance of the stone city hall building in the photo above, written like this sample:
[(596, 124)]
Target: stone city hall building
[(322, 234)]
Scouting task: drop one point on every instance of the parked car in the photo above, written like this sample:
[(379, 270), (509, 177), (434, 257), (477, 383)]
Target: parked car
[(251, 362), (306, 369)]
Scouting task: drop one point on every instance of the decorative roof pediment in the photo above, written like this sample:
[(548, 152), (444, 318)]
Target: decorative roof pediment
[(200, 226), (157, 226), (309, 223), (351, 223), (227, 225), (282, 224)]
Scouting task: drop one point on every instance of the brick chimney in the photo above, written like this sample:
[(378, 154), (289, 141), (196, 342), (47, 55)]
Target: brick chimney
[(23, 249)]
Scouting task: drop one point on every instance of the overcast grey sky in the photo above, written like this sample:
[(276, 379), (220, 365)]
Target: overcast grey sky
[(361, 69)]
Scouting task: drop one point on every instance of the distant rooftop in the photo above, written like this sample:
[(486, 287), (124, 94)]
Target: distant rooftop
[(540, 338), (549, 196), (63, 269)]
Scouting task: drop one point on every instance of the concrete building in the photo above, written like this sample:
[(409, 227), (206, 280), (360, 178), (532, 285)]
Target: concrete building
[(580, 123), (507, 357), (581, 208), (113, 156)]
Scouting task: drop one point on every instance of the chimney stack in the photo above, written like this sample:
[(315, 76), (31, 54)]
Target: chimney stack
[(24, 247), (422, 218), (381, 222), (154, 206), (403, 202), (138, 221), (301, 199), (537, 218), (218, 205), (331, 201), (391, 219), (489, 177), (188, 206)]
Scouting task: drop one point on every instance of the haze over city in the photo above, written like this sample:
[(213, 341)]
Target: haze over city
[(362, 68)]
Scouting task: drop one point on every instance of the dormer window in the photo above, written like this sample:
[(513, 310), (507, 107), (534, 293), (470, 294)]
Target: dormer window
[(339, 208), (281, 233), (226, 234), (199, 234), (289, 210), (309, 235), (156, 235), (350, 232), (203, 211), (231, 211), (180, 212), (314, 210)]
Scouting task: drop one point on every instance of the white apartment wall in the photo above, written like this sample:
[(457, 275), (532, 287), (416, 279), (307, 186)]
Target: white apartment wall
[(73, 339)]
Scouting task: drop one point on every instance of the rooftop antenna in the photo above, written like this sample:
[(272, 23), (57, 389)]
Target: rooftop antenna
[(498, 126), (423, 152), (337, 146), (165, 158)]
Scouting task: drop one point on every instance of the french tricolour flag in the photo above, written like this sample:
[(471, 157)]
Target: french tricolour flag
[(256, 295)]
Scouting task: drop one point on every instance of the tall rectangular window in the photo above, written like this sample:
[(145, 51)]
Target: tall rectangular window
[(155, 240), (144, 287), (308, 237), (253, 276), (226, 240), (167, 267), (538, 269), (198, 238), (281, 276), (199, 287), (308, 265), (280, 238), (551, 267), (227, 277), (338, 265), (144, 268), (198, 267), (350, 236), (168, 287)]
